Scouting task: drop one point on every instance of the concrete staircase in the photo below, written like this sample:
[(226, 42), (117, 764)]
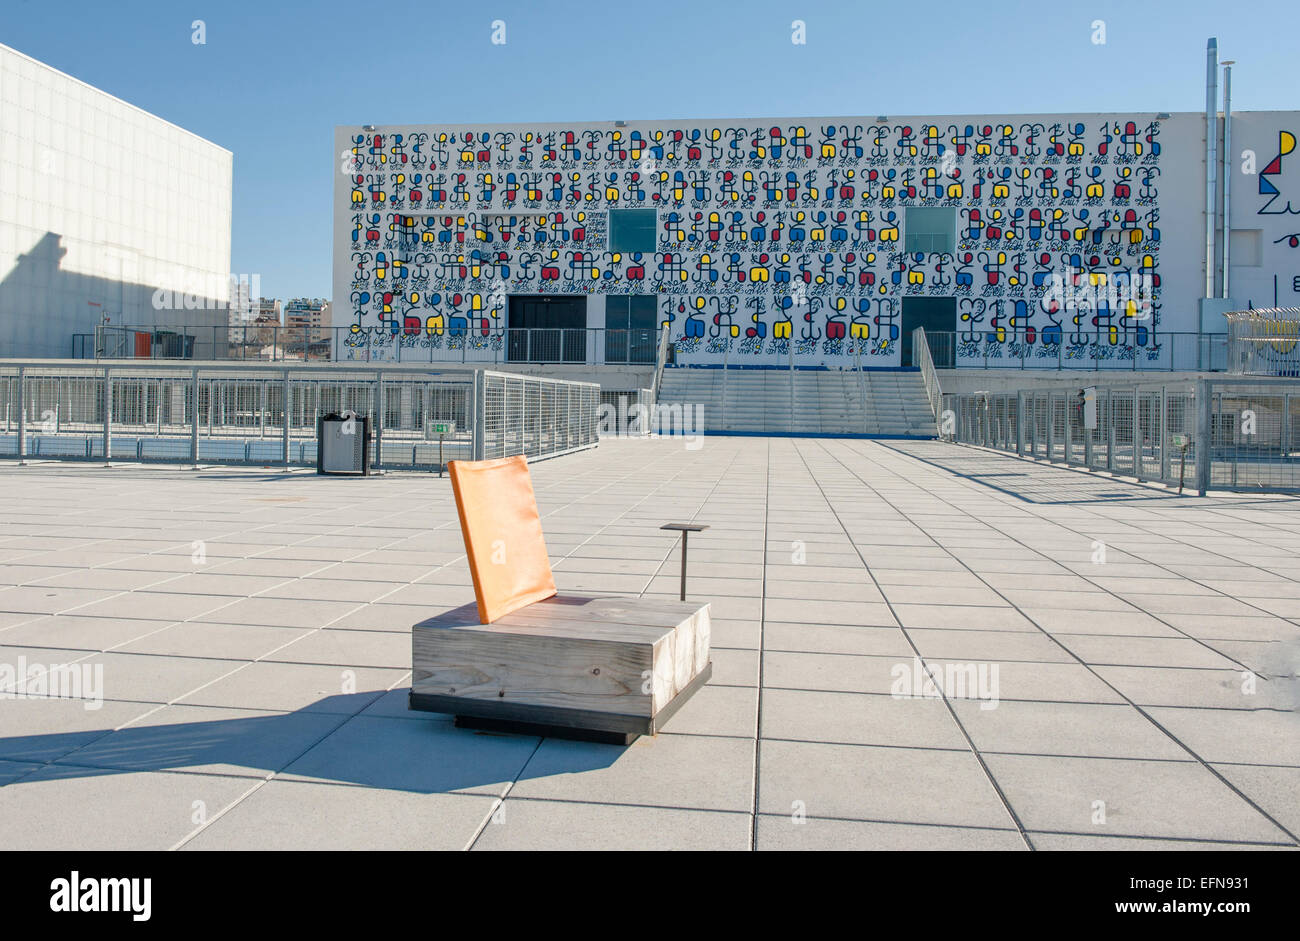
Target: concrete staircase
[(874, 402)]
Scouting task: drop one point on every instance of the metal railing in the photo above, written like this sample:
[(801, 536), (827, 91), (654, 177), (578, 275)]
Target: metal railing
[(1222, 434), (456, 343), (530, 415), (1163, 351), (921, 357), (1264, 342), (626, 413), (265, 415)]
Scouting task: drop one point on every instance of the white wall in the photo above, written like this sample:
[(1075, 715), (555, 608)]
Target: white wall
[(101, 206)]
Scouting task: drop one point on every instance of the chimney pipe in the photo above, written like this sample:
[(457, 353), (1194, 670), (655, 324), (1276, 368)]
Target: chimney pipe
[(1211, 138), (1227, 170)]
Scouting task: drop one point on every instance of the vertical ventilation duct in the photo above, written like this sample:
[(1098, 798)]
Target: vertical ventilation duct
[(1211, 136), (1227, 170)]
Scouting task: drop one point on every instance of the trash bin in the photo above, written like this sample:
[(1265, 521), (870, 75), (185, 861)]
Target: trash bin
[(343, 444)]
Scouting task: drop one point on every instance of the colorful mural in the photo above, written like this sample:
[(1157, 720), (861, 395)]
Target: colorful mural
[(1275, 201), (773, 239)]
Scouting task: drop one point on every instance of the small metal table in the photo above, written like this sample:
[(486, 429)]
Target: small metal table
[(685, 529)]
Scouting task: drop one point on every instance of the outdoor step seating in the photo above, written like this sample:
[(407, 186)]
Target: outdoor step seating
[(527, 659)]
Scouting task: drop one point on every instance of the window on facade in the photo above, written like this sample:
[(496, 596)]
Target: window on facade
[(930, 229), (632, 230), (630, 328), (1246, 248)]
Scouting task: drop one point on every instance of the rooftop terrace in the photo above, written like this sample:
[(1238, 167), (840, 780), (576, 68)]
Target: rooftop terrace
[(1139, 655)]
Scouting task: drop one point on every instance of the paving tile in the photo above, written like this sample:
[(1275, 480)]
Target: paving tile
[(1143, 651), (781, 833), (100, 809), (718, 710), (835, 638), (859, 719), (301, 815), (1271, 788), (421, 757), (861, 782), (567, 825), (831, 672), (1141, 798), (213, 640), (287, 687), (963, 617), (1077, 842), (1236, 735), (689, 771), (1061, 728), (1016, 679), (988, 645), (40, 730), (155, 605), (37, 599), (81, 633), (1220, 689), (348, 648), (237, 742)]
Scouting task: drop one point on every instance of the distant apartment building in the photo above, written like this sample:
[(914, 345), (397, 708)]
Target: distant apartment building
[(111, 220), (308, 314), (267, 319), (241, 303)]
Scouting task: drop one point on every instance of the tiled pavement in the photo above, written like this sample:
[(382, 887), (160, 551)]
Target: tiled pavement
[(254, 634)]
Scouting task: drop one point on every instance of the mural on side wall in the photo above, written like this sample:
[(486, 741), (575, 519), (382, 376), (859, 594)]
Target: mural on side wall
[(772, 241), (1276, 202)]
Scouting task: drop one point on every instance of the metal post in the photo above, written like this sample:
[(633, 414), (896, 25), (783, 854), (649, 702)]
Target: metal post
[(1203, 441), (1051, 426), (1088, 435), (1069, 430), (1139, 443), (790, 348), (1033, 424), (1164, 433), (478, 410), (108, 415), (194, 419), (725, 354), (1020, 423), (1110, 431), (284, 430), (261, 433), (378, 463), (1286, 426), (685, 534), (22, 415)]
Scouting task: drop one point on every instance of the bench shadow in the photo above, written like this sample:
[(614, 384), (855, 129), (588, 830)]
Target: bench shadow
[(329, 741)]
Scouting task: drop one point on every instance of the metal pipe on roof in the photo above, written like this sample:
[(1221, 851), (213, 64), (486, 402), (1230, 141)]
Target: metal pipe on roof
[(1227, 171), (1211, 138)]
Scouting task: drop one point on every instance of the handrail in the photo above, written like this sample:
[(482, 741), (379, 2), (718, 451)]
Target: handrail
[(921, 357)]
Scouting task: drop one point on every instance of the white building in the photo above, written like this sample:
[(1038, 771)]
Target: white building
[(108, 215), (1052, 240)]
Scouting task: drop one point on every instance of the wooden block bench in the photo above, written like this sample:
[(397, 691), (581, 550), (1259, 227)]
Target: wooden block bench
[(526, 659)]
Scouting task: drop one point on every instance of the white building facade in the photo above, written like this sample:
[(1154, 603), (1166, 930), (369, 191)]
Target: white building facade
[(1065, 239), (108, 215)]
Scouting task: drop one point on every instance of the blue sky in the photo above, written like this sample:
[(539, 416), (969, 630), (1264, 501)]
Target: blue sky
[(274, 78)]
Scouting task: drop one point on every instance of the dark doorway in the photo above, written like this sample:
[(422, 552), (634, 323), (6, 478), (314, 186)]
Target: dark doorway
[(630, 328), (546, 329), (938, 315)]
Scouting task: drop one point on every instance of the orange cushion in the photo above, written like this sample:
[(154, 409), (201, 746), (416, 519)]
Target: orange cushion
[(503, 534)]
